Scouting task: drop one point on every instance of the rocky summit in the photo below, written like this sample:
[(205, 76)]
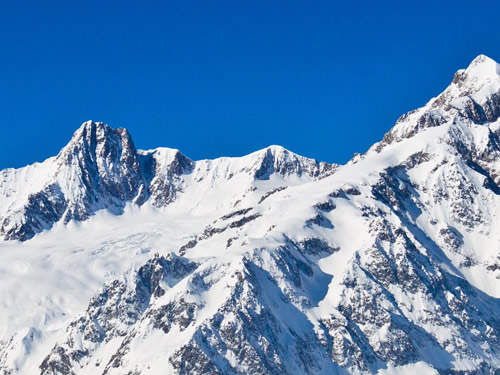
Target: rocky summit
[(117, 261)]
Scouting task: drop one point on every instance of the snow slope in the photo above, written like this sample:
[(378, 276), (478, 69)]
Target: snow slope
[(100, 169), (267, 264)]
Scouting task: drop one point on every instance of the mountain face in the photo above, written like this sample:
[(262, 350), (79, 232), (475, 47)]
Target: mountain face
[(151, 263), (100, 168), (471, 98)]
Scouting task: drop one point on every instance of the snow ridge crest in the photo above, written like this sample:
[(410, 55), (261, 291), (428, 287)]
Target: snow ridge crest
[(473, 98), (100, 169)]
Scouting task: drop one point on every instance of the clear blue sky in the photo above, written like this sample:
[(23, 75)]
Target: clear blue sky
[(225, 78)]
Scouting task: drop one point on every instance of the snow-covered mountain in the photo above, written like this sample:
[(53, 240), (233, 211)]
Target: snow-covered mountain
[(146, 262), (100, 168)]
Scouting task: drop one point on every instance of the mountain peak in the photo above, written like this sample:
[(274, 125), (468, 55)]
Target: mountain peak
[(473, 98), (100, 169), (277, 159), (274, 151), (92, 137), (91, 126), (480, 72), (482, 60), (97, 129), (388, 265)]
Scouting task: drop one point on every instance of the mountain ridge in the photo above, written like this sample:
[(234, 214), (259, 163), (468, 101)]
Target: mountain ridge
[(388, 264), (100, 168), (472, 96)]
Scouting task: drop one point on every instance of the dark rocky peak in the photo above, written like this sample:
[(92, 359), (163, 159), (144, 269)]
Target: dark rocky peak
[(104, 162), (98, 169), (96, 140)]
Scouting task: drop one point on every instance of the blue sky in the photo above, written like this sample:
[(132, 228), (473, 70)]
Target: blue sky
[(225, 78)]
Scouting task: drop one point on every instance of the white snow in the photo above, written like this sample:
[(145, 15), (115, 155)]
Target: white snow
[(48, 281)]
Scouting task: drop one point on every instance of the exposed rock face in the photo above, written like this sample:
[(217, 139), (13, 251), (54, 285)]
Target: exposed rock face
[(114, 310), (242, 322), (42, 209), (100, 168), (103, 167), (276, 159), (472, 98), (163, 170)]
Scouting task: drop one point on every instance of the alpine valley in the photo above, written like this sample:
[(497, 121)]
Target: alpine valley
[(119, 261)]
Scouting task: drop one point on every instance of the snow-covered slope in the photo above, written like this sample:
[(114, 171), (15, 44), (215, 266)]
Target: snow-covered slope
[(472, 97), (270, 263), (101, 169)]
